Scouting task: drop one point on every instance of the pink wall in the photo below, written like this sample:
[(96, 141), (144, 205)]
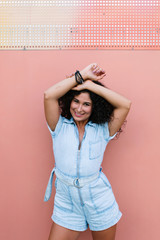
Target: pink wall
[(131, 163)]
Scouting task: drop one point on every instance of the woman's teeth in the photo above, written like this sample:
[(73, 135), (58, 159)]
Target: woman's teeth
[(77, 114)]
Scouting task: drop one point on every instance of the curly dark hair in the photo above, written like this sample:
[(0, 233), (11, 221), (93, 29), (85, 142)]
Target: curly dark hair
[(101, 111)]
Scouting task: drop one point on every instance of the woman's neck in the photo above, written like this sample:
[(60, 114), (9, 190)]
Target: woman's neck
[(81, 124)]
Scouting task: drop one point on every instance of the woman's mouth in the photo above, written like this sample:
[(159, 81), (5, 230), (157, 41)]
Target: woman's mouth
[(78, 114)]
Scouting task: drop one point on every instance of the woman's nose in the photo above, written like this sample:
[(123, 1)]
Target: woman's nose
[(79, 107)]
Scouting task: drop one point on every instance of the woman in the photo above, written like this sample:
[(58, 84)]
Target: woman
[(90, 117)]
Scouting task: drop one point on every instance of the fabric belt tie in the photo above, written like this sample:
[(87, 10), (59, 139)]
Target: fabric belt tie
[(49, 186), (76, 182)]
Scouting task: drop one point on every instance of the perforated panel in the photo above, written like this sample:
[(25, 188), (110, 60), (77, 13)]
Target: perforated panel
[(80, 24)]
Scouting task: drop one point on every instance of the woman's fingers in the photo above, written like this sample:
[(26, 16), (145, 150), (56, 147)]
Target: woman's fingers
[(98, 71), (101, 76), (95, 69), (78, 87), (74, 88), (94, 65)]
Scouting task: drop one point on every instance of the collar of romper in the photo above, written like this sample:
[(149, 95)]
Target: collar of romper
[(71, 121)]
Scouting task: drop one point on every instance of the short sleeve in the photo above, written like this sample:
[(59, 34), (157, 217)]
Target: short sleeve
[(107, 137), (58, 127)]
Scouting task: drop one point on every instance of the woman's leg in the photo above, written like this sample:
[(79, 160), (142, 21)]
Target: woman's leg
[(107, 234), (60, 233)]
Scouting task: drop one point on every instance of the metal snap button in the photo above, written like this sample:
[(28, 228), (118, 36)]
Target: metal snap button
[(76, 182)]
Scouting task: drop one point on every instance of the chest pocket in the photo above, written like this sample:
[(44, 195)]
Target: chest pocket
[(95, 150)]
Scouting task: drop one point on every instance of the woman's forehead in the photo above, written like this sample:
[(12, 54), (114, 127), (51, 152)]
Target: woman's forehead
[(84, 96)]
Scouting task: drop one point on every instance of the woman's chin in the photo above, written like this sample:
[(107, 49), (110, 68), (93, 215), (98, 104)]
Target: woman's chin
[(78, 118)]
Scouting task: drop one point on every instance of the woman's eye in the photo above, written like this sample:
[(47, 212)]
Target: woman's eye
[(86, 104), (75, 100)]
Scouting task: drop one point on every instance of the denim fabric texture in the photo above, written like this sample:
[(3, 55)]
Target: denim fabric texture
[(94, 203)]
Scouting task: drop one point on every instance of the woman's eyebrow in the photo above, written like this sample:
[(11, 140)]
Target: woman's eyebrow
[(75, 98), (88, 102), (84, 102)]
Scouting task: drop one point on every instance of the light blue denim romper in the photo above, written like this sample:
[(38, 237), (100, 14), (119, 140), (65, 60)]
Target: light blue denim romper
[(84, 195)]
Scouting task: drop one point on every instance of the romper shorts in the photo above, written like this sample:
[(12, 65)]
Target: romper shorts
[(92, 205)]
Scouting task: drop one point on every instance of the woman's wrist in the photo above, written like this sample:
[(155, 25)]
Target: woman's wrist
[(88, 84), (84, 76), (78, 77)]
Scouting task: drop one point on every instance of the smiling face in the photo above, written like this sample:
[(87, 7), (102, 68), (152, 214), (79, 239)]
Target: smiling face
[(81, 107)]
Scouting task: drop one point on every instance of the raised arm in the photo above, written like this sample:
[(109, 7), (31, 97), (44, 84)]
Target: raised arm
[(52, 94), (122, 105)]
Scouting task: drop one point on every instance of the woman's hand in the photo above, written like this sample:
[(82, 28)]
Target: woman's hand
[(91, 72)]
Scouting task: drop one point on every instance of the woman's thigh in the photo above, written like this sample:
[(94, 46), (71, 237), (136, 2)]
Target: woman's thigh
[(60, 233), (107, 234)]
